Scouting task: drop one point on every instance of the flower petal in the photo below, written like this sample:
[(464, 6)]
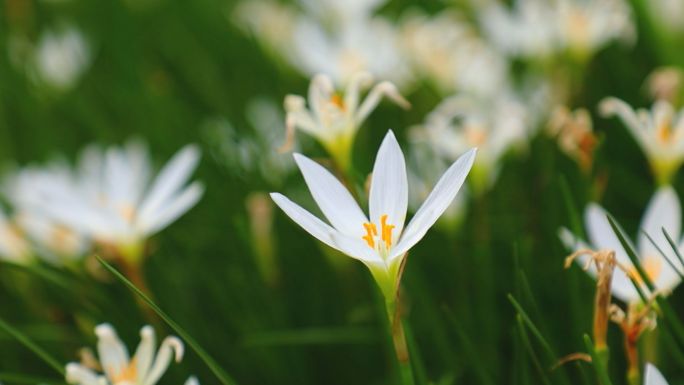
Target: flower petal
[(171, 347), (663, 211), (652, 376), (601, 234), (356, 248), (314, 226), (144, 355), (389, 186), (112, 352), (439, 199), (172, 210), (332, 197), (170, 179), (78, 374)]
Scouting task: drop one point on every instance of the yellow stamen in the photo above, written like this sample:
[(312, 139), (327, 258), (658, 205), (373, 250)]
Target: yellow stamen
[(129, 374), (371, 232), (386, 231), (664, 132), (336, 99)]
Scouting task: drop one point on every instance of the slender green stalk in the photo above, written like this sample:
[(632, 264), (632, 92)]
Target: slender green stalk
[(597, 363), (400, 346), (208, 360), (37, 350)]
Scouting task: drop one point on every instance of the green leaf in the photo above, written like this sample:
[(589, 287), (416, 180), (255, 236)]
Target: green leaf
[(208, 360), (530, 350), (37, 350), (535, 331)]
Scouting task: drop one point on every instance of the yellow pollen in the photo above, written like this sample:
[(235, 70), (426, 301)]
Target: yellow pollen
[(129, 374), (337, 100), (664, 132), (386, 231), (371, 232)]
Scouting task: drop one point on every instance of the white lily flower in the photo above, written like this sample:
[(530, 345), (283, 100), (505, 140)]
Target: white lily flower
[(652, 376), (474, 67), (61, 57), (333, 119), (380, 242), (659, 132), (145, 368), (663, 211), (667, 13), (116, 202), (462, 122), (13, 245)]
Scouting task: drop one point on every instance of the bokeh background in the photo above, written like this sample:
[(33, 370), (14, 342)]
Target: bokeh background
[(269, 302)]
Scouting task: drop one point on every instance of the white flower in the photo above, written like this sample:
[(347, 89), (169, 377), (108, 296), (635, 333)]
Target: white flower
[(334, 119), (145, 368), (341, 12), (61, 57), (462, 122), (667, 13), (364, 45), (54, 241), (13, 246), (652, 376), (659, 132), (117, 203), (380, 242), (663, 211), (446, 50)]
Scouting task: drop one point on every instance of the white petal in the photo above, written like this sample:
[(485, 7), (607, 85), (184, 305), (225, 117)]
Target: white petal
[(314, 226), (170, 179), (389, 186), (601, 234), (171, 347), (172, 209), (439, 199), (614, 106), (332, 197), (145, 352), (80, 375), (663, 211), (112, 352), (652, 376), (357, 249), (192, 380)]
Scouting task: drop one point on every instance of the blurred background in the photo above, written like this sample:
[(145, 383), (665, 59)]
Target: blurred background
[(270, 303)]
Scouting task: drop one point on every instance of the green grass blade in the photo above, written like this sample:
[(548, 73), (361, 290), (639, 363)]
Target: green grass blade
[(18, 378), (37, 350), (672, 265), (535, 331), (601, 372), (208, 360), (633, 257), (530, 350), (675, 248), (575, 222)]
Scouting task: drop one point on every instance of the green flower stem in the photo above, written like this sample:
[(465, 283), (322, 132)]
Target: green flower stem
[(400, 346)]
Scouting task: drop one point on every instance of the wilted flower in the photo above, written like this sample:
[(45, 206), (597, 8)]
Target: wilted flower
[(380, 242), (145, 368), (334, 119), (659, 132), (61, 57), (665, 83), (663, 211), (115, 201), (462, 122), (574, 130)]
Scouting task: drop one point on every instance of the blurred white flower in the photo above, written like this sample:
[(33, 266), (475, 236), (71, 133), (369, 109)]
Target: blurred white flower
[(652, 376), (334, 119), (463, 122), (663, 211), (445, 49), (116, 202), (538, 29), (144, 368), (381, 243), (659, 132), (368, 45), (667, 13), (53, 241), (272, 23), (61, 57), (575, 134), (13, 245), (341, 12)]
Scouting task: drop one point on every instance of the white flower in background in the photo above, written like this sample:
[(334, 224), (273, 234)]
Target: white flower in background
[(53, 241), (117, 203), (61, 57), (445, 49), (659, 132), (652, 376), (539, 28), (463, 122), (380, 242), (663, 211), (341, 12), (364, 45), (272, 23), (667, 13), (145, 368), (334, 119), (13, 246), (575, 134)]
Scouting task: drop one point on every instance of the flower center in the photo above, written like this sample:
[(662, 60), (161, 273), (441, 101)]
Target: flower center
[(664, 132), (337, 100), (652, 267), (372, 233), (127, 375)]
